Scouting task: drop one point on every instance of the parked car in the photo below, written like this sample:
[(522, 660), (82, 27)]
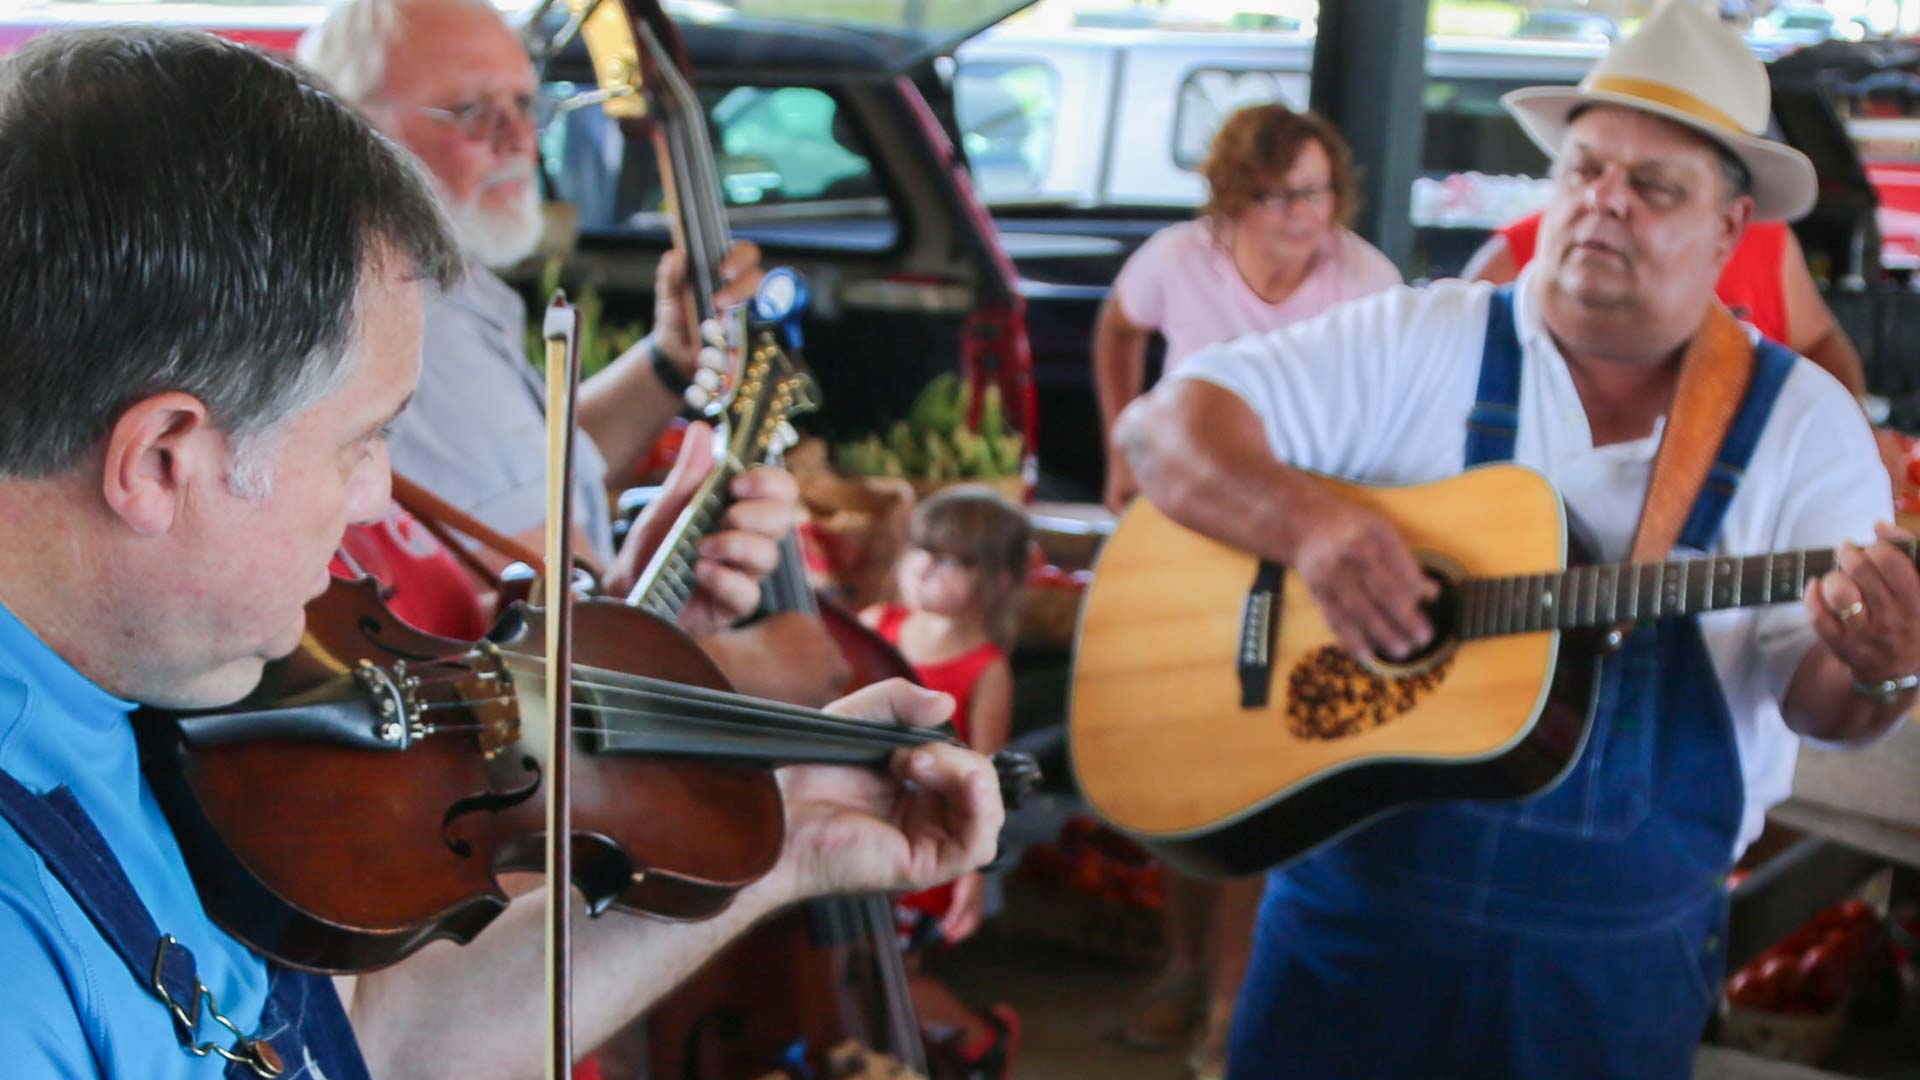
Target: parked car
[(1551, 25)]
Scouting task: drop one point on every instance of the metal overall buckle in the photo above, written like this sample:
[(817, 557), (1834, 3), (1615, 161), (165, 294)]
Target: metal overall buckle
[(256, 1054)]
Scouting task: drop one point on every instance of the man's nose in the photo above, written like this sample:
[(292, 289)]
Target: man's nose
[(1611, 190)]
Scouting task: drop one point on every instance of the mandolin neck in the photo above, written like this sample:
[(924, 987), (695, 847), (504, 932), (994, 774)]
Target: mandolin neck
[(1582, 597)]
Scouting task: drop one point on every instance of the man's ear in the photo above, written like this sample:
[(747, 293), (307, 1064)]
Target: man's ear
[(1734, 217), (155, 452)]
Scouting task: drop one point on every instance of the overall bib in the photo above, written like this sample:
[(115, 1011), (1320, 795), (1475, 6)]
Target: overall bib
[(1576, 933), (302, 1020)]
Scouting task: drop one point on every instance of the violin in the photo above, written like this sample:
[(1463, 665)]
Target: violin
[(405, 772)]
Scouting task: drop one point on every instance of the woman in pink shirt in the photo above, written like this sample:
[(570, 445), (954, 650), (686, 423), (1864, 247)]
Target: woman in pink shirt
[(1271, 247)]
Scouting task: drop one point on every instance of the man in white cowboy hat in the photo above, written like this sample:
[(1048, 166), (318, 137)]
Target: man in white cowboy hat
[(1578, 932)]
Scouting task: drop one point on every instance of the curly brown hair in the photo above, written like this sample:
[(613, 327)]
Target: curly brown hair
[(1261, 142)]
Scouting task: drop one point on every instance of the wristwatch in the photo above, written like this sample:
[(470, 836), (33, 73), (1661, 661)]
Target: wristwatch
[(663, 368), (1886, 691)]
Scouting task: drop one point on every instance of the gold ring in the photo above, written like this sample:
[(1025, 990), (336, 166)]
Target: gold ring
[(1850, 611)]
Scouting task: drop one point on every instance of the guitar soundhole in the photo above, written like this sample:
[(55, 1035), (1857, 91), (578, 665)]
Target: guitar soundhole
[(1330, 695)]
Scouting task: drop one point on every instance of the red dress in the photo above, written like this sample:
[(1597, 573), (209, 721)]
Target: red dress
[(958, 677), (1750, 284)]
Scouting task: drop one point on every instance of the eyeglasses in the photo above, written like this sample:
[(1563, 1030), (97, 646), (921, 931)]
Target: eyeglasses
[(1284, 200), (482, 121)]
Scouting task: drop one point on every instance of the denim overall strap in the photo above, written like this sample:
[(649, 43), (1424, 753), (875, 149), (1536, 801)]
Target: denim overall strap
[(306, 1030), (1493, 939), (305, 1022), (55, 827), (1495, 420)]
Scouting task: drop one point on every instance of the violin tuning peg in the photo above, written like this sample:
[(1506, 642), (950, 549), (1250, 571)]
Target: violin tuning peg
[(697, 398), (707, 379), (714, 359)]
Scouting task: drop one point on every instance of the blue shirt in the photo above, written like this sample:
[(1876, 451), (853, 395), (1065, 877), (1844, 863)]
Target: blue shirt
[(475, 433), (68, 1006)]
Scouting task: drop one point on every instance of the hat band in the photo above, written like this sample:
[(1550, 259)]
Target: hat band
[(1670, 96)]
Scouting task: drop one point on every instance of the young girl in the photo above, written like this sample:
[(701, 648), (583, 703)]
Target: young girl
[(959, 584)]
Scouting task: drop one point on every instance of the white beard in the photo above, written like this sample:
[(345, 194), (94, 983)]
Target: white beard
[(497, 238)]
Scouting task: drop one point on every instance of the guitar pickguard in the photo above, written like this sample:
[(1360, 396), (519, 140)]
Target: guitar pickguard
[(1330, 695)]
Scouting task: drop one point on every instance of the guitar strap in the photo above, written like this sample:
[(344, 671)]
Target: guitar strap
[(1714, 375)]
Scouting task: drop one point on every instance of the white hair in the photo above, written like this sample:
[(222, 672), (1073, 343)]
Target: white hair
[(348, 48)]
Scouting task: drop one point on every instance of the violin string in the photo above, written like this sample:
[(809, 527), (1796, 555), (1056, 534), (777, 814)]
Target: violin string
[(801, 719), (749, 714), (611, 678), (729, 718), (758, 745)]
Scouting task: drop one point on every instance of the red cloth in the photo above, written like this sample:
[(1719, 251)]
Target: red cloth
[(427, 587), (1750, 283), (958, 677)]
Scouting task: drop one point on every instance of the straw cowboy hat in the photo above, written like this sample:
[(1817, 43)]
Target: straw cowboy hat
[(1683, 65)]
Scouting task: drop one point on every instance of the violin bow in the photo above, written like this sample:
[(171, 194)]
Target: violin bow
[(562, 334)]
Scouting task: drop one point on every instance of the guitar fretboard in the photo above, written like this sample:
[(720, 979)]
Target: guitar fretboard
[(1605, 595), (668, 581)]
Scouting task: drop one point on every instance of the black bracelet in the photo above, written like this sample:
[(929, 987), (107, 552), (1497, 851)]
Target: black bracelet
[(664, 369)]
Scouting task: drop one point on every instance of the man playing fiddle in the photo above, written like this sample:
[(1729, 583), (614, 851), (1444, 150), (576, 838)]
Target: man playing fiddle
[(450, 82), (1579, 932), (201, 358)]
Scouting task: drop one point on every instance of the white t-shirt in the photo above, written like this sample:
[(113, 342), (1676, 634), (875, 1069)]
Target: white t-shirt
[(1379, 390)]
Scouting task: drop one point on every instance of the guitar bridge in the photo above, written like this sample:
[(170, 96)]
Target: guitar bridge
[(1257, 623)]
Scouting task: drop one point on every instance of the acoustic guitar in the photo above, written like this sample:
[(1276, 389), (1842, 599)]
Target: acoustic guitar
[(1215, 717)]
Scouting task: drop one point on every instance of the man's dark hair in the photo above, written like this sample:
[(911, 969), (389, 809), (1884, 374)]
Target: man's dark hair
[(184, 213)]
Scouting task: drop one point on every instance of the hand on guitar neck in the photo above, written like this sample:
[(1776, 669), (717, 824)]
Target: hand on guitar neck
[(735, 557)]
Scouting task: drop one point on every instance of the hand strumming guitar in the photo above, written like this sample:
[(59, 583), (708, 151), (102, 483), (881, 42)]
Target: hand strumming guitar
[(1366, 580)]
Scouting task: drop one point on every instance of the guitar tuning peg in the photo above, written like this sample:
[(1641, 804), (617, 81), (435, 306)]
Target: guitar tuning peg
[(713, 334), (707, 379), (697, 398), (785, 437), (714, 359)]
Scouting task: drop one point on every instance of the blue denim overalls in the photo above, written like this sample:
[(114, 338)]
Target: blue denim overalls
[(1576, 933), (302, 1019)]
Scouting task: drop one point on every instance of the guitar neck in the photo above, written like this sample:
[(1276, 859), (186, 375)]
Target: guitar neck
[(1581, 597), (665, 585)]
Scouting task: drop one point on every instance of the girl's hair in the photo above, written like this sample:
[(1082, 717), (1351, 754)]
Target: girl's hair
[(980, 528), (1258, 145)]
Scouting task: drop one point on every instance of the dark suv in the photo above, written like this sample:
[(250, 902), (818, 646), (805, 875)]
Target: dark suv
[(836, 153)]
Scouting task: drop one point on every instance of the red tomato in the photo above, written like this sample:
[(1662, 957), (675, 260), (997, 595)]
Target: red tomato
[(1857, 912), (1783, 974), (1749, 990), (1843, 945), (1823, 979)]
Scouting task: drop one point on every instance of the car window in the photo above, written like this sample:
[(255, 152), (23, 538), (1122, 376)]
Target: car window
[(1007, 111), (1467, 128), (1209, 95), (784, 153)]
